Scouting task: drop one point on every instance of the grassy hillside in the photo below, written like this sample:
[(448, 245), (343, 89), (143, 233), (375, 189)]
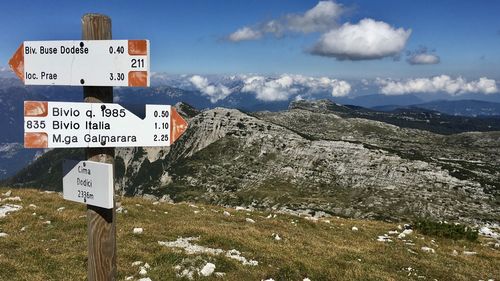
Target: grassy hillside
[(323, 249)]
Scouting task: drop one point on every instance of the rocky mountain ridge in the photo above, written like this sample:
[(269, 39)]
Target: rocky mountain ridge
[(312, 158)]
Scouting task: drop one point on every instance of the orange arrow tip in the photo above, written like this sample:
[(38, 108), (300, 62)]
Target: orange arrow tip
[(16, 63), (177, 125)]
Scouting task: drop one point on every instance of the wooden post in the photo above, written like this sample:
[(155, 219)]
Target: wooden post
[(100, 221)]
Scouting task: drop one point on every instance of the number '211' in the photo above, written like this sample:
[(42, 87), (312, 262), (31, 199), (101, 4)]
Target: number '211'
[(137, 63)]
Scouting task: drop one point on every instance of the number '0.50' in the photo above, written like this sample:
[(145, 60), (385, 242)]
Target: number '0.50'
[(162, 114)]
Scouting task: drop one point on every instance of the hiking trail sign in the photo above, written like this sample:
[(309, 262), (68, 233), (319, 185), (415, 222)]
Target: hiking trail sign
[(98, 64), (88, 182), (83, 63), (78, 124)]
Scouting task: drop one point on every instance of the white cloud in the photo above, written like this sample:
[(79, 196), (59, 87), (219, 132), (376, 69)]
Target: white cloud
[(323, 16), (298, 98), (320, 18), (368, 39), (6, 72), (245, 33), (341, 89), (422, 56), (442, 83), (424, 59), (270, 90), (282, 88), (214, 92)]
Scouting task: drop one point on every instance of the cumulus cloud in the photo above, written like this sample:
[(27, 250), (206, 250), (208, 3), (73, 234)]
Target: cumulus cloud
[(442, 83), (214, 92), (320, 18), (245, 33), (422, 56), (368, 39), (270, 90), (6, 72), (341, 89), (282, 88), (424, 59)]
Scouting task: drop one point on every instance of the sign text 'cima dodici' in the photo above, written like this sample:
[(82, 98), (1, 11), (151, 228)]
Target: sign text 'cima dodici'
[(88, 182)]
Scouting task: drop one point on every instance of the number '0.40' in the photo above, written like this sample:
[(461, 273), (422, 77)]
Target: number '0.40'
[(117, 50)]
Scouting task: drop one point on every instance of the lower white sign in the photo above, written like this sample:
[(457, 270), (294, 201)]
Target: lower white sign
[(79, 124), (88, 182)]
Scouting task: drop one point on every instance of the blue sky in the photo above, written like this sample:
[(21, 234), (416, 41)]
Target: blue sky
[(188, 36), (452, 45)]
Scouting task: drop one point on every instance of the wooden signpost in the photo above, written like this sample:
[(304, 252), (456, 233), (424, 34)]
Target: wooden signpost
[(101, 222), (97, 63)]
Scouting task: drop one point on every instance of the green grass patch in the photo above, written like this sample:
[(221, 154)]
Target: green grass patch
[(446, 230), (324, 250)]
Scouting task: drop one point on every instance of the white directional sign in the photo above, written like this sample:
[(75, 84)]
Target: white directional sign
[(88, 182), (73, 124), (83, 63)]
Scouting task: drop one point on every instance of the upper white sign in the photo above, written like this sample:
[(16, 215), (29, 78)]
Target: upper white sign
[(83, 63), (78, 124)]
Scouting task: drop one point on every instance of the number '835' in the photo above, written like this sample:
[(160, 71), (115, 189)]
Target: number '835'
[(35, 124)]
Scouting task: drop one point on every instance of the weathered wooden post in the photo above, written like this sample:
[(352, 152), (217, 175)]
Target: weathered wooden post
[(96, 124), (101, 222)]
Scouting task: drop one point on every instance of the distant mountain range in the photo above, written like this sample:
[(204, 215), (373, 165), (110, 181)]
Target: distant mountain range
[(375, 100), (13, 94), (455, 107)]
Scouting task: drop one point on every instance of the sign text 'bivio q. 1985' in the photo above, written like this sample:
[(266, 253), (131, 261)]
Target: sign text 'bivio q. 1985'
[(73, 124)]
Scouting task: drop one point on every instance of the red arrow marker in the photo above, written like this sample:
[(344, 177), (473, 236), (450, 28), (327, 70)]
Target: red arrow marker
[(16, 63), (177, 125)]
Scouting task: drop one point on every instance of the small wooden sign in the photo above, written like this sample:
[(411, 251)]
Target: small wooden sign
[(88, 182)]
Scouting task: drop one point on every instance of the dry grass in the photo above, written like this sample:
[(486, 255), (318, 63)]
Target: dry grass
[(316, 250)]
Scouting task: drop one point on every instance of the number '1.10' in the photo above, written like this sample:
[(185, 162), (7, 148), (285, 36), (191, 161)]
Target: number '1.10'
[(161, 126)]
